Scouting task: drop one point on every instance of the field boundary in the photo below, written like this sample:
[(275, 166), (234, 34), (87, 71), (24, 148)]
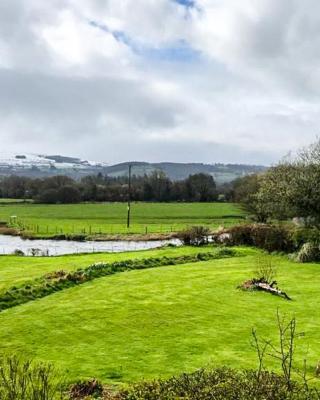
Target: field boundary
[(60, 280)]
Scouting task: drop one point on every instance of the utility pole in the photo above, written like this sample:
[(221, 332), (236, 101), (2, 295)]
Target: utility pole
[(129, 197)]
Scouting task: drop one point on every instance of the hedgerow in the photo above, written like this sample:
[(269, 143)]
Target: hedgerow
[(60, 280), (219, 384)]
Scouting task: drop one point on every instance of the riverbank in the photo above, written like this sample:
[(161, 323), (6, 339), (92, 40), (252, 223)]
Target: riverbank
[(129, 237)]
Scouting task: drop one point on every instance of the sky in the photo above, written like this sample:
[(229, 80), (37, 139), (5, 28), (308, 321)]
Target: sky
[(160, 80)]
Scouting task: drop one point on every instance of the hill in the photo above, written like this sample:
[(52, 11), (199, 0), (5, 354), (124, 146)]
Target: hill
[(31, 165), (178, 171)]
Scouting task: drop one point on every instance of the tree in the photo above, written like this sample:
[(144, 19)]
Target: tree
[(157, 187), (48, 196), (69, 194), (292, 188), (201, 187)]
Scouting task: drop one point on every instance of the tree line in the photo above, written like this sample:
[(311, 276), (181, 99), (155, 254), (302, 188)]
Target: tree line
[(290, 189), (154, 187)]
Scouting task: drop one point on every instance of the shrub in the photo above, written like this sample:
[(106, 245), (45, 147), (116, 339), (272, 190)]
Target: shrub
[(18, 252), (24, 380), (300, 236), (309, 252), (35, 252), (48, 196), (82, 390), (69, 194), (195, 236), (267, 237), (220, 384), (265, 271)]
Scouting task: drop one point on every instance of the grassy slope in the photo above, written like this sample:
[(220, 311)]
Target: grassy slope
[(111, 217), (16, 270), (161, 321)]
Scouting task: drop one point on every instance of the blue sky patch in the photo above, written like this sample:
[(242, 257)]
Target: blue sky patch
[(179, 51), (176, 52), (187, 3)]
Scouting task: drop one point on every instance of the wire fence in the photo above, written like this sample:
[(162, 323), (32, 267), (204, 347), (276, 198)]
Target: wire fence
[(113, 228)]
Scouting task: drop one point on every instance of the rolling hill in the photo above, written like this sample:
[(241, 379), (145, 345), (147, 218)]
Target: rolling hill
[(31, 165)]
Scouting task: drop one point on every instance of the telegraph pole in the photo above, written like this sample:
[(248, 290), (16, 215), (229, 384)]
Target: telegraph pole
[(129, 198)]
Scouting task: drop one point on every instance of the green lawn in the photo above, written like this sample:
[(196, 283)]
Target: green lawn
[(159, 322), (110, 218), (17, 270)]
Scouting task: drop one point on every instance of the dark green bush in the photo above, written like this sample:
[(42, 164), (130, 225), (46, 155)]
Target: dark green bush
[(267, 237), (220, 384), (18, 253), (300, 236)]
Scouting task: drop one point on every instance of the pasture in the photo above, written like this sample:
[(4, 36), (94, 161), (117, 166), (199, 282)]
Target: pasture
[(19, 270), (110, 218), (157, 322)]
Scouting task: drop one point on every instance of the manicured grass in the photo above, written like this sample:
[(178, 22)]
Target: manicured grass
[(18, 270), (62, 280), (162, 321), (110, 218)]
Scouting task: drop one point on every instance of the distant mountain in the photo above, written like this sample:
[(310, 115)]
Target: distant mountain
[(48, 165), (222, 173), (34, 165)]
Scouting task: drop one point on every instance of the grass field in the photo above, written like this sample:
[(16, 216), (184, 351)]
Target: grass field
[(110, 218), (157, 322), (18, 270)]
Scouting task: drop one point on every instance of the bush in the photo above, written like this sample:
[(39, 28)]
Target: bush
[(48, 196), (18, 252), (23, 380), (267, 237), (309, 252), (300, 236), (265, 272), (220, 384), (82, 390), (69, 194), (195, 236)]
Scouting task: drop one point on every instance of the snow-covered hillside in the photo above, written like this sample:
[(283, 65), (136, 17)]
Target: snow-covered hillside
[(26, 161), (36, 164)]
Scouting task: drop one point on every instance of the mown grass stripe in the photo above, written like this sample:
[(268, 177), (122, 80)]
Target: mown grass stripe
[(61, 280)]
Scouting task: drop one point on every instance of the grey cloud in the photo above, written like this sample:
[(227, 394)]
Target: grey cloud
[(74, 106), (263, 93)]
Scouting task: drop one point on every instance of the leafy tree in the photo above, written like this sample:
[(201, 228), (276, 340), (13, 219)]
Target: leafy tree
[(48, 196), (201, 187), (245, 192), (69, 194), (157, 187), (292, 188)]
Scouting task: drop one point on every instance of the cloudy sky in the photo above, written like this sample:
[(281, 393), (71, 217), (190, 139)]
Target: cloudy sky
[(159, 80)]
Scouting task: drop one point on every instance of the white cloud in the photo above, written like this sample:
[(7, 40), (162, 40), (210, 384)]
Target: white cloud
[(121, 87)]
